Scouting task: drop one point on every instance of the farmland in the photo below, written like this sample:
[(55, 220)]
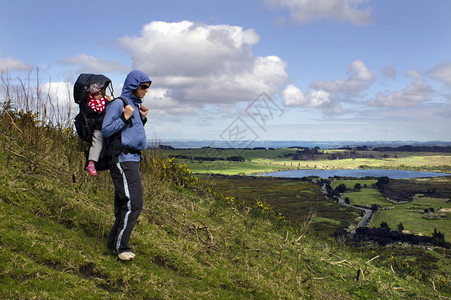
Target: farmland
[(284, 195), (417, 206), (254, 161)]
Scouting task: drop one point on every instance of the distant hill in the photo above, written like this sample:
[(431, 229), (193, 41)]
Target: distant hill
[(183, 144)]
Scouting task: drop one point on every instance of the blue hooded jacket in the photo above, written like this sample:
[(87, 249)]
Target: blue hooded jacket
[(133, 135)]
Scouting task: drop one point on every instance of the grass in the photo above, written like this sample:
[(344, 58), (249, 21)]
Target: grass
[(230, 168), (294, 199), (416, 161), (350, 183), (367, 197), (265, 161), (412, 214), (248, 154), (53, 246), (191, 241)]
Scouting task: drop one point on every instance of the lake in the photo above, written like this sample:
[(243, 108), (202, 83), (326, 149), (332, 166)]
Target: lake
[(359, 173)]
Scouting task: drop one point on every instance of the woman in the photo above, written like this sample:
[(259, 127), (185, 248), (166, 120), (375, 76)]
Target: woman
[(126, 175)]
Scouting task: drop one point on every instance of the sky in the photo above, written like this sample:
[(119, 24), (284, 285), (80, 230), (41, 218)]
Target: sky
[(249, 70)]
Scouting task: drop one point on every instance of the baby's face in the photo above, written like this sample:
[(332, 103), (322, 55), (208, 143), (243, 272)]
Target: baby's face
[(98, 96)]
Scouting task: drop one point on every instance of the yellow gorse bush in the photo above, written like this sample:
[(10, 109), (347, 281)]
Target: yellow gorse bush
[(177, 174), (267, 211)]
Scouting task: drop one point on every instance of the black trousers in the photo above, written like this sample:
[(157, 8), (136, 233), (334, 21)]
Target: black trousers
[(128, 203)]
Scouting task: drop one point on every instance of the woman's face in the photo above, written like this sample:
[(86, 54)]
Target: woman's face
[(141, 91)]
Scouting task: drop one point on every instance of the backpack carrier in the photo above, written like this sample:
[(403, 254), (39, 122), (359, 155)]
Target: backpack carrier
[(88, 120)]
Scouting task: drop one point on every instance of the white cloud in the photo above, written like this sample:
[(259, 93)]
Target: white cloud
[(416, 77), (413, 95), (201, 64), (294, 97), (162, 102), (360, 79), (318, 99), (304, 11), (441, 72), (11, 64), (326, 95), (91, 64), (57, 95), (52, 100)]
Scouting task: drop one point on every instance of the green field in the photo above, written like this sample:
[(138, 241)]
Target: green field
[(231, 168), (367, 197), (350, 183), (265, 161), (412, 216), (251, 165), (410, 213)]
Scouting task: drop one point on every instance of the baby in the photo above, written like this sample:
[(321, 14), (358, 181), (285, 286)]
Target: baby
[(97, 100)]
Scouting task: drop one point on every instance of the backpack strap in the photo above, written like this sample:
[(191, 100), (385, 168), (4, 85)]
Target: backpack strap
[(125, 102), (124, 149)]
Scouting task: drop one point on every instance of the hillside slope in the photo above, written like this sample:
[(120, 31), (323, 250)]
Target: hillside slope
[(190, 242)]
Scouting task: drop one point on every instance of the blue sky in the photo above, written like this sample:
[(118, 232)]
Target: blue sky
[(320, 70)]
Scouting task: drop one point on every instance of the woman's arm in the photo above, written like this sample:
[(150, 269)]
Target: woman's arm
[(114, 120)]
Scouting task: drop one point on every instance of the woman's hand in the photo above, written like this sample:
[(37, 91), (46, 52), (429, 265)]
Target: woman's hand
[(128, 111), (143, 111)]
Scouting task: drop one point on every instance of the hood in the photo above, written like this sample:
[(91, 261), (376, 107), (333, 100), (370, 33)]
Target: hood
[(132, 82), (87, 83)]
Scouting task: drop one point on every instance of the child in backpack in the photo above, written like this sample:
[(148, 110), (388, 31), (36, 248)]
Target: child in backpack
[(97, 100)]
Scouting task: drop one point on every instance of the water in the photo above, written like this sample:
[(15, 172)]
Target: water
[(359, 173)]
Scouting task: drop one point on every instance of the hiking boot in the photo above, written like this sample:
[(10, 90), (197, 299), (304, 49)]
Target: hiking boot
[(115, 252), (91, 168), (126, 256)]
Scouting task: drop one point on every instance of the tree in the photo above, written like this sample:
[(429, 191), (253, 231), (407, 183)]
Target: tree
[(382, 181), (400, 227), (235, 158), (438, 236), (357, 186), (341, 188), (347, 201), (385, 226)]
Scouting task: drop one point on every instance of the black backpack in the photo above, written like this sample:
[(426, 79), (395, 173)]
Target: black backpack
[(111, 149), (88, 120), (82, 127)]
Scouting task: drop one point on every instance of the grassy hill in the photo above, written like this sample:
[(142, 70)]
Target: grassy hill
[(191, 242)]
